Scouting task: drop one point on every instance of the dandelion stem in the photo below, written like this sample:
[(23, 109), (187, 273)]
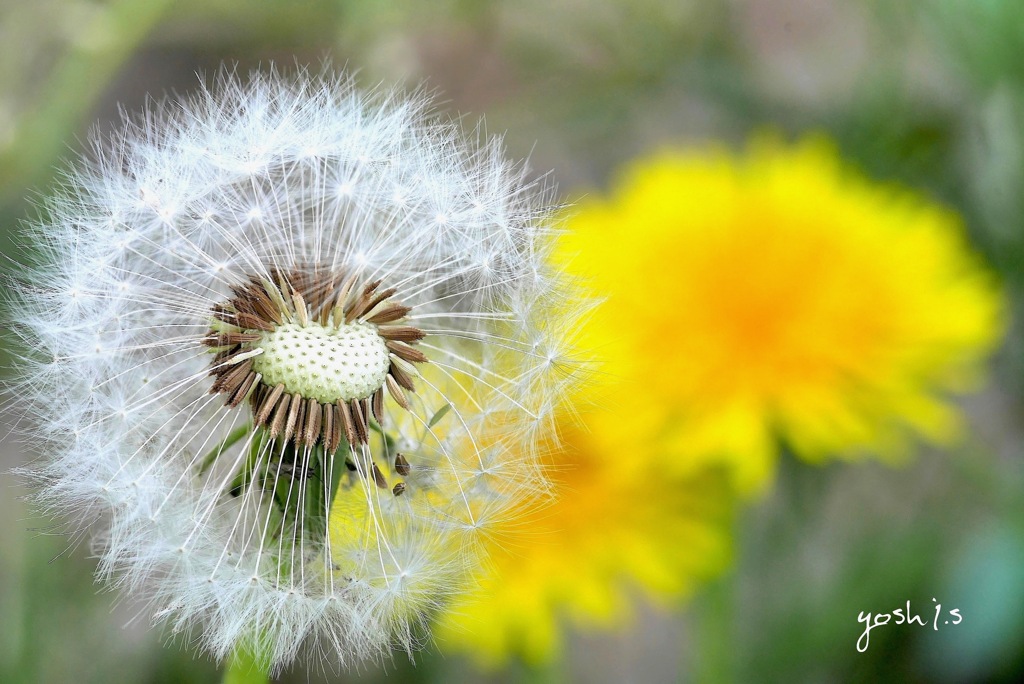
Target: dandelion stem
[(247, 667), (548, 672), (715, 637)]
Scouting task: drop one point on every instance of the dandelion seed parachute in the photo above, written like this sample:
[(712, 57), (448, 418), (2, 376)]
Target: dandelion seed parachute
[(294, 343)]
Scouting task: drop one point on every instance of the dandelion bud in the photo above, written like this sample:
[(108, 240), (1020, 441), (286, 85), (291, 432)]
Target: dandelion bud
[(293, 344)]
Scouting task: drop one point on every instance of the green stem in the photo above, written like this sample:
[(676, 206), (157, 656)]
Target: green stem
[(245, 667), (550, 672), (714, 634)]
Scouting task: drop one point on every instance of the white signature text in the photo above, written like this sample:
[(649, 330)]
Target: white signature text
[(900, 616)]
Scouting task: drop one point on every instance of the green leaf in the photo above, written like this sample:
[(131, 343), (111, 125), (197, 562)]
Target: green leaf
[(245, 474), (216, 451)]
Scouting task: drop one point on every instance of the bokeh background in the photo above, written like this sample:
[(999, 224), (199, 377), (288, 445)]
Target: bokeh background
[(926, 93)]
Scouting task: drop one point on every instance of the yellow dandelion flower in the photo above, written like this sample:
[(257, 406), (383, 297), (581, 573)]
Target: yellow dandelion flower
[(618, 523), (779, 296)]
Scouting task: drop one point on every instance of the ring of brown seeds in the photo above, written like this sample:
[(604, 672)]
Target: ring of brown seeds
[(313, 355)]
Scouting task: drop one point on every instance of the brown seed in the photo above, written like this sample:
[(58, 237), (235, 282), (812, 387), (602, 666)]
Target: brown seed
[(359, 306), (313, 414), (280, 415), (282, 284), (377, 404), (345, 418), (396, 392), (240, 291), (278, 301), (252, 322), (375, 300), (388, 313), (342, 298), (243, 301), (399, 489), (405, 352), (263, 304), (402, 466), (332, 433), (378, 477), (243, 390), (268, 404), (259, 392), (294, 417), (359, 421), (230, 381), (401, 377), (401, 333), (301, 313), (300, 422)]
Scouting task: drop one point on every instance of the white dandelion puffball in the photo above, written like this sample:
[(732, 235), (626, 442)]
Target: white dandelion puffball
[(292, 348)]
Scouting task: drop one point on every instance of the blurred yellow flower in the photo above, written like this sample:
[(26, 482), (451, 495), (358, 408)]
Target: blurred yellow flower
[(774, 297), (618, 523)]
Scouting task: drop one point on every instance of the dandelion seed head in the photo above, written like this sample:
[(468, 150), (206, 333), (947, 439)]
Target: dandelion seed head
[(284, 360)]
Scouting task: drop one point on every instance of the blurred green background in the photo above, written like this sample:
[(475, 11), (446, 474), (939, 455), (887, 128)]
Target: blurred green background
[(929, 93)]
